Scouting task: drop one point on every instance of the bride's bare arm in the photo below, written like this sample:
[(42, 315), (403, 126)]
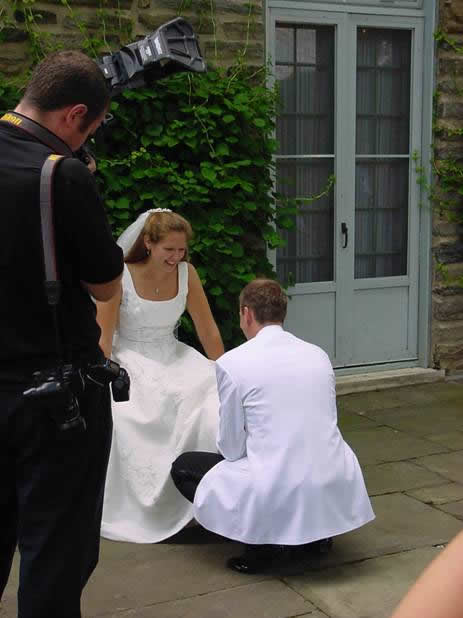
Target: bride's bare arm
[(107, 316), (201, 314)]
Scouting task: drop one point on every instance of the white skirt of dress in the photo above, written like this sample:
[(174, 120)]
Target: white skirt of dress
[(173, 408)]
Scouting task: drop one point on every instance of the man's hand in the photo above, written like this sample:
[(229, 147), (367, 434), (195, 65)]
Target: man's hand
[(91, 164)]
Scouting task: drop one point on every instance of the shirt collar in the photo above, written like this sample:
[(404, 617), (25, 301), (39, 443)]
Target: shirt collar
[(269, 329)]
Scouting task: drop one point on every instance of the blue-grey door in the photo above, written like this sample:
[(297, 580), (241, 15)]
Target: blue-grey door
[(350, 107)]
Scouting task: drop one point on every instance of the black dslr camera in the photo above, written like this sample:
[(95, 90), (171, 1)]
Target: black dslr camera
[(61, 388)]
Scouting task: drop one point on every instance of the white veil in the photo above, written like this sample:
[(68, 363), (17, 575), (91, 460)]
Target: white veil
[(130, 235)]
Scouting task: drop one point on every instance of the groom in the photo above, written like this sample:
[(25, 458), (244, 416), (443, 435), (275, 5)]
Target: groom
[(284, 475)]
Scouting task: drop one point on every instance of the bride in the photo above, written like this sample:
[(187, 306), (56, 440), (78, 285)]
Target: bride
[(173, 403)]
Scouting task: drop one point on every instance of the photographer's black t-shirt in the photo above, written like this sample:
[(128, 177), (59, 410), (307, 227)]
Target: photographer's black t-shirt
[(85, 251)]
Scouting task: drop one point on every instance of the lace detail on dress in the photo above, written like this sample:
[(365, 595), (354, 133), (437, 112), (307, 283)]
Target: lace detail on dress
[(148, 334)]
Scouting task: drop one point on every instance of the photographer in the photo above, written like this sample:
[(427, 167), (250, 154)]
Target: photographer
[(52, 481)]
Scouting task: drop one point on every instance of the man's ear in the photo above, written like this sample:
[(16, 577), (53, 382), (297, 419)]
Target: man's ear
[(76, 113), (249, 315)]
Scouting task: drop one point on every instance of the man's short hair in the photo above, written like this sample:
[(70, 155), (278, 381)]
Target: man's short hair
[(267, 299), (68, 78)]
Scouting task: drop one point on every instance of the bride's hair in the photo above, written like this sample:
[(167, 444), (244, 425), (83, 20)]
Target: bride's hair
[(157, 226)]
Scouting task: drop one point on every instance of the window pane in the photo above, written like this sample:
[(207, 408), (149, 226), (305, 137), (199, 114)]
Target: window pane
[(305, 124), (284, 45), (381, 218), (308, 255), (383, 91)]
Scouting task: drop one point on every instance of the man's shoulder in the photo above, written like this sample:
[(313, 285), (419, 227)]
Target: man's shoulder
[(228, 360), (309, 349), (74, 170)]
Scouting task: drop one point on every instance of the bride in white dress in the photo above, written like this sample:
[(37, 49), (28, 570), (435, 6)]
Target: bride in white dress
[(173, 404)]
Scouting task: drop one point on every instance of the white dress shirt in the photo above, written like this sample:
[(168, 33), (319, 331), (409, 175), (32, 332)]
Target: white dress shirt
[(288, 476)]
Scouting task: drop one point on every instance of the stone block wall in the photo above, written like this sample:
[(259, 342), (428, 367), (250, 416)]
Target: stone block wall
[(225, 28), (447, 300)]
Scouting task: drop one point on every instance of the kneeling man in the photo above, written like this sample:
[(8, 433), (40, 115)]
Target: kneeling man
[(284, 475)]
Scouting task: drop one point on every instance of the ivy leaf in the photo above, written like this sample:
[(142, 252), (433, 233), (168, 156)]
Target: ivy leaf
[(217, 227), (228, 118), (216, 291), (259, 122), (237, 250), (222, 149), (122, 203), (209, 173)]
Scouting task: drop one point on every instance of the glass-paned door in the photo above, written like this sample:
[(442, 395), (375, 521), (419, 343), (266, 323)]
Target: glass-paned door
[(350, 106)]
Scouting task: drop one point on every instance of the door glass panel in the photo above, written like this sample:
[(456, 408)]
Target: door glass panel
[(382, 128), (308, 255), (381, 214), (304, 71)]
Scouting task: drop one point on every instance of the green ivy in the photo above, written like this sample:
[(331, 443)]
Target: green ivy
[(201, 145)]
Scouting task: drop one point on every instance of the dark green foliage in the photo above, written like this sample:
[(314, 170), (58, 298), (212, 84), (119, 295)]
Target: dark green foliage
[(201, 145)]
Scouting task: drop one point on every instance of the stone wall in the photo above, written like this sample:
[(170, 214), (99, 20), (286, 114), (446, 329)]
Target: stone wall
[(447, 300), (226, 28)]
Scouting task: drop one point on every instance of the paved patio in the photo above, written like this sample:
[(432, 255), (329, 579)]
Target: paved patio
[(410, 444)]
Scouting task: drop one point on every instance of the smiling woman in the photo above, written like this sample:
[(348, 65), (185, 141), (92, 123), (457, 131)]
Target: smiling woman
[(174, 403)]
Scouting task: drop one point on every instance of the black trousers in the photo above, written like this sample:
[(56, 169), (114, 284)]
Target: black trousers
[(189, 468), (51, 499)]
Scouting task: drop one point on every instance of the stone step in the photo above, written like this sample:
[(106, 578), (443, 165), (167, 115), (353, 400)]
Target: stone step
[(380, 380)]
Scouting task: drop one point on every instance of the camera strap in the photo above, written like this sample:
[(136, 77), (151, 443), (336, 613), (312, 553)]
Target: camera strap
[(52, 282), (36, 130)]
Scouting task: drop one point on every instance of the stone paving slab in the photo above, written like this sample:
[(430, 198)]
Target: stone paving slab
[(383, 444), (420, 421), (348, 421), (423, 396), (427, 393), (368, 402), (454, 508), (398, 476), (442, 494), (369, 589), (452, 440), (448, 465), (402, 523), (159, 573), (271, 599)]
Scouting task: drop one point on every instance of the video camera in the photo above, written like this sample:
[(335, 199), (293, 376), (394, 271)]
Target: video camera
[(172, 48)]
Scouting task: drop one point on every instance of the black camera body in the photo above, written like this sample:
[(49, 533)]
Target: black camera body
[(59, 390), (109, 372)]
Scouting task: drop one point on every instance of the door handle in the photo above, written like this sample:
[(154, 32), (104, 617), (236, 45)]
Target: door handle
[(345, 233)]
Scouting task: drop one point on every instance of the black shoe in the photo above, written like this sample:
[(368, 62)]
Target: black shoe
[(258, 558)]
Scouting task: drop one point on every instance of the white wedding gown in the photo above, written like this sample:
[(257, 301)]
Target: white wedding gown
[(173, 408)]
